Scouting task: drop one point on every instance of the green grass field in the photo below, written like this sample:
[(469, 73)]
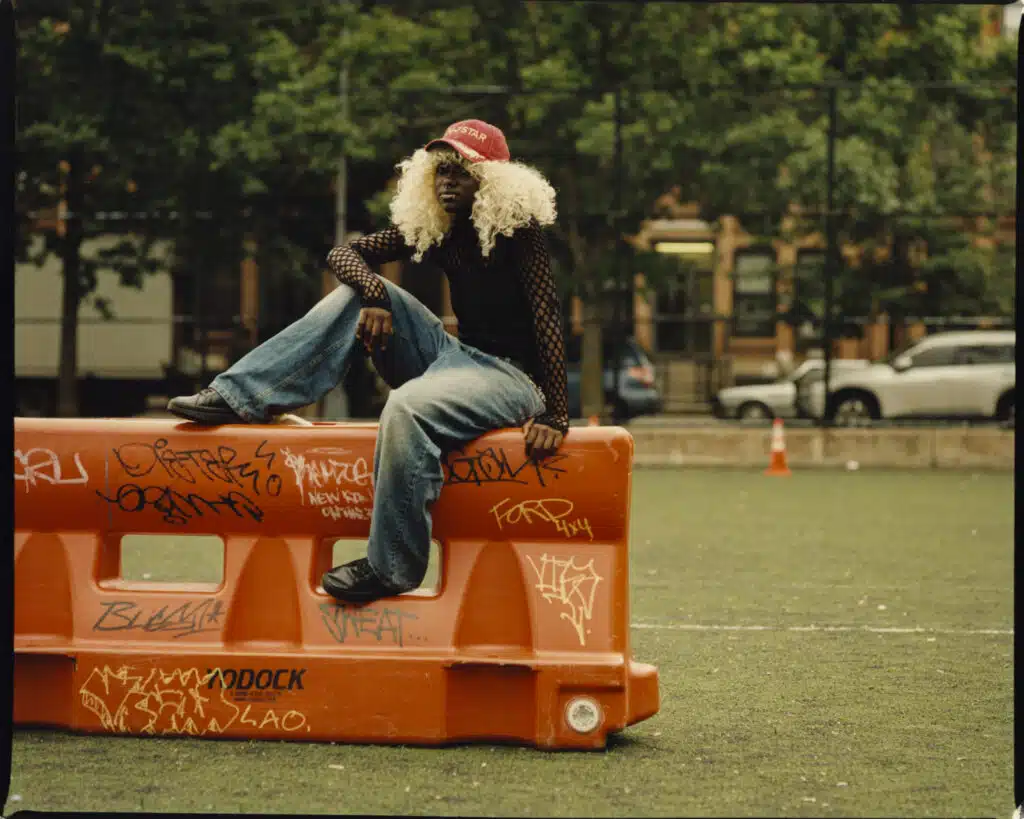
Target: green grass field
[(831, 644)]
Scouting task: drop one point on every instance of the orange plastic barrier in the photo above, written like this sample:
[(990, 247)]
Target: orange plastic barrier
[(526, 638)]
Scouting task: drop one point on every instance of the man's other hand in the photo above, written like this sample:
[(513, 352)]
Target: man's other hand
[(374, 325), (541, 440)]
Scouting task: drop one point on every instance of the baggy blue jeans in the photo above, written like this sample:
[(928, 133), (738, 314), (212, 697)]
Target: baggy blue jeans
[(443, 394)]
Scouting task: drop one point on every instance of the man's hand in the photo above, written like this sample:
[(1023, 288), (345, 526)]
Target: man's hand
[(541, 440), (374, 323)]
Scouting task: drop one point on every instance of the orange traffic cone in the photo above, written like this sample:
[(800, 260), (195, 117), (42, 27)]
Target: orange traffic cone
[(778, 464)]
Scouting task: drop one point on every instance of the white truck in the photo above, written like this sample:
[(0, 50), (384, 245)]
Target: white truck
[(119, 361)]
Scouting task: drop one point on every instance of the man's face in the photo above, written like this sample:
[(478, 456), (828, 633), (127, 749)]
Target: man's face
[(454, 186)]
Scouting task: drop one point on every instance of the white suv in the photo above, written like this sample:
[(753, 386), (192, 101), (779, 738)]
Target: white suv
[(946, 375)]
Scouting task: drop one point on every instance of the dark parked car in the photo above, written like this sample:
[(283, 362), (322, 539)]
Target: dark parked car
[(637, 394)]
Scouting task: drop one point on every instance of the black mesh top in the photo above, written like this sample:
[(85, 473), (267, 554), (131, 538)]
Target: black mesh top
[(506, 303)]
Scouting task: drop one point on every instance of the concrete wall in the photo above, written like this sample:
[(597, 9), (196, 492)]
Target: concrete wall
[(926, 448)]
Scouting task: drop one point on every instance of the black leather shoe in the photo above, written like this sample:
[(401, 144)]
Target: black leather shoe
[(205, 407), (356, 582)]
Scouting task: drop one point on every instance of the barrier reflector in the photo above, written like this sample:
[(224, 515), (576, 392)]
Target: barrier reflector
[(525, 638)]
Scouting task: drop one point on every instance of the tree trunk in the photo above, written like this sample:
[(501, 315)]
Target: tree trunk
[(591, 359), (591, 365), (901, 272), (71, 263), (592, 368), (898, 312)]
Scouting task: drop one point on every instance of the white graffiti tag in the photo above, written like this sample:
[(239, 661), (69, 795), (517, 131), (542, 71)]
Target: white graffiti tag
[(44, 465), (314, 474), (562, 581), (169, 703), (320, 474)]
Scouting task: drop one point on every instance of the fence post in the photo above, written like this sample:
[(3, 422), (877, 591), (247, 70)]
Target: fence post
[(831, 262)]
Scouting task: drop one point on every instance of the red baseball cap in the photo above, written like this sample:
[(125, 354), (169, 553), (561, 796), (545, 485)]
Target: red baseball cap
[(475, 140)]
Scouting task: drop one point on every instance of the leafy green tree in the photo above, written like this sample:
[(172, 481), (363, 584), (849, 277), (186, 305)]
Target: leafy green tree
[(76, 147), (234, 118), (212, 118), (908, 169), (556, 63)]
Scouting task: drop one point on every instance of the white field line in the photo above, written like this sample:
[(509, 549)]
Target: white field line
[(867, 629)]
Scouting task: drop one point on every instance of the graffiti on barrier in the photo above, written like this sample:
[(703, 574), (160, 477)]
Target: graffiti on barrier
[(197, 466), (179, 620), (492, 465), (41, 464), (555, 511), (178, 508), (329, 479), (562, 582), (176, 702), (385, 625)]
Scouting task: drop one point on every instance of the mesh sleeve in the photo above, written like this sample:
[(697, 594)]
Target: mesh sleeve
[(351, 264), (534, 268)]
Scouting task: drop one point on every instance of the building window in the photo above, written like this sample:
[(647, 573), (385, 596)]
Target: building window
[(754, 296), (807, 309), (683, 297)]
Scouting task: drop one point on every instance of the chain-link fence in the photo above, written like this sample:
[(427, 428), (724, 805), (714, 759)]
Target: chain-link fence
[(727, 231), (765, 226)]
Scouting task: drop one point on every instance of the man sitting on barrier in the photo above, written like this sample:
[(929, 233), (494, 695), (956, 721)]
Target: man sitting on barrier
[(462, 204)]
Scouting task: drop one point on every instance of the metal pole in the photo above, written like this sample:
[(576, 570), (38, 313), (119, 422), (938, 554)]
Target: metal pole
[(341, 180), (831, 253), (621, 286), (201, 300), (335, 403), (200, 308)]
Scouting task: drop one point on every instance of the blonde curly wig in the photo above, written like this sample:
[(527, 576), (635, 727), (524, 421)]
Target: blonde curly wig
[(510, 195)]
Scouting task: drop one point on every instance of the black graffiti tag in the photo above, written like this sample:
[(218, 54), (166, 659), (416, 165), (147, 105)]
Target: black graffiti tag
[(178, 508), (192, 465), (343, 622), (191, 617), (492, 465)]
